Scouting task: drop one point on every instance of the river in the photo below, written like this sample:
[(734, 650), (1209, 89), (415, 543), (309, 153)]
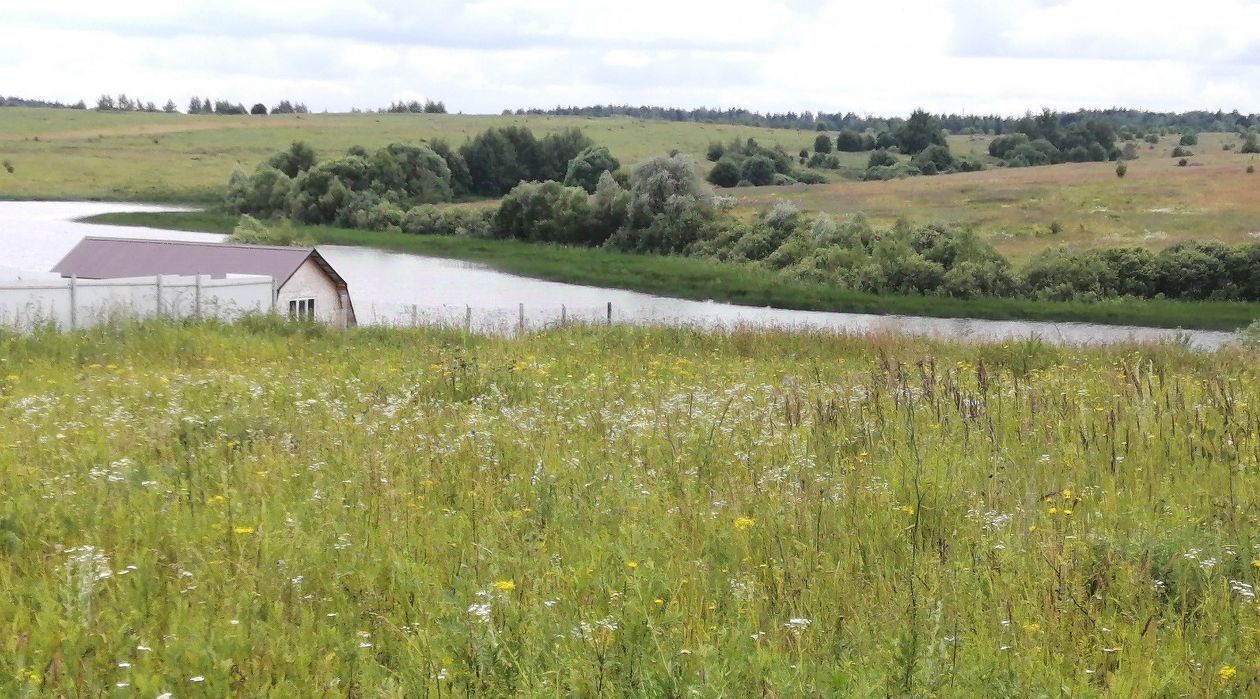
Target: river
[(394, 288)]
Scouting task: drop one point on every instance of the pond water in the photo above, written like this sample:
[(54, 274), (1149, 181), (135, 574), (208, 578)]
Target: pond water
[(396, 288)]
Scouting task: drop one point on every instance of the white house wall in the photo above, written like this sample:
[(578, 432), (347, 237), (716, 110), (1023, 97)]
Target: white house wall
[(310, 281)]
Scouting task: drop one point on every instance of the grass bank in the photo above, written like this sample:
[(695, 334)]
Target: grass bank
[(691, 278), (275, 509)]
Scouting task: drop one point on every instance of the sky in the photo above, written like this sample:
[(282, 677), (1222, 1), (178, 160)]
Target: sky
[(884, 57)]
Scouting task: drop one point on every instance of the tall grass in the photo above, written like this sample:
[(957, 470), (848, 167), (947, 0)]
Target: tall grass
[(277, 509)]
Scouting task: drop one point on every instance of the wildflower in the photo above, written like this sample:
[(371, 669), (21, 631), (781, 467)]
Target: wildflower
[(658, 601), (744, 523), (1067, 493), (797, 624), (1256, 564), (632, 564), (907, 509), (11, 378), (242, 530), (1226, 673), (198, 678), (504, 586), (1052, 511), (481, 611), (216, 500), (1032, 627)]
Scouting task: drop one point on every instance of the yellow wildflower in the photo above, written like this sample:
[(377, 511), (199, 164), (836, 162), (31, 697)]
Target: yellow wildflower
[(743, 523), (907, 509), (1226, 673), (11, 378), (1067, 493), (658, 601), (504, 586), (1255, 563), (1032, 627), (632, 564), (242, 530), (216, 500), (1052, 511)]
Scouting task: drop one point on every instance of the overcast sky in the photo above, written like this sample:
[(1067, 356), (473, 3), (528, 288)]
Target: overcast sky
[(479, 56)]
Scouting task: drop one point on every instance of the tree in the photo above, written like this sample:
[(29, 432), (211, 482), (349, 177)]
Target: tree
[(410, 174), (758, 170), (170, 107), (933, 159), (822, 144), (284, 107), (194, 105), (431, 107), (493, 167), (664, 185), (298, 158), (850, 141), (259, 109), (588, 167), (918, 132), (725, 173), (104, 103), (461, 181), (881, 158), (555, 151)]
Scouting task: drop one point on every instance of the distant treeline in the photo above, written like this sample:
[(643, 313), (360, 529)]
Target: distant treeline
[(415, 107), (954, 123), (42, 104)]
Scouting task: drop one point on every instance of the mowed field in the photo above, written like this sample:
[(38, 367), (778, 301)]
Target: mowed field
[(273, 509)]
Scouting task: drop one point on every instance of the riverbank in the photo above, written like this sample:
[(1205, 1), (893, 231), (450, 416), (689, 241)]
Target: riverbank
[(699, 279)]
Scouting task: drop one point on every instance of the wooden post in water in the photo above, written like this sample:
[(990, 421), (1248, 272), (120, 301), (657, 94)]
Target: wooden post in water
[(610, 312), (158, 288), (520, 324), (467, 319), (415, 315), (563, 315)]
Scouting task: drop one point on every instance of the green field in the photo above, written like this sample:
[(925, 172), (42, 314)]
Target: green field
[(278, 510), (67, 154)]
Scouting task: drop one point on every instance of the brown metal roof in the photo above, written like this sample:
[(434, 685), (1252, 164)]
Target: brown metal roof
[(114, 258)]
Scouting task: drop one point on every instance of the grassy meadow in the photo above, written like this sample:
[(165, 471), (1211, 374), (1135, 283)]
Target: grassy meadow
[(278, 510), (68, 154)]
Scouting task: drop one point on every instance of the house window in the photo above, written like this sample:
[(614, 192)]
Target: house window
[(302, 309)]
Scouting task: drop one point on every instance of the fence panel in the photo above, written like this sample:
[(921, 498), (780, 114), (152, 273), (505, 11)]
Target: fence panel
[(77, 303)]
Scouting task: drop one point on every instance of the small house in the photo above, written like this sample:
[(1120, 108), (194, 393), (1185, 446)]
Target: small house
[(305, 285)]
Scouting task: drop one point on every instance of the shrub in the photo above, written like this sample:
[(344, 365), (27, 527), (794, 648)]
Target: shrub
[(758, 169), (585, 170), (1250, 169), (1189, 138), (935, 158), (725, 173), (881, 158), (251, 231), (1179, 152), (808, 177), (1121, 169), (715, 152), (822, 144), (1183, 162), (259, 109), (849, 141), (1152, 138), (1250, 145), (547, 212), (8, 166), (298, 158)]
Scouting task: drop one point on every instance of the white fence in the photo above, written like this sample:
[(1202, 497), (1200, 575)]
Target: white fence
[(78, 303)]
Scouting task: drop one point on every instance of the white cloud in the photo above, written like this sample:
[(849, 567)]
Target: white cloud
[(485, 55)]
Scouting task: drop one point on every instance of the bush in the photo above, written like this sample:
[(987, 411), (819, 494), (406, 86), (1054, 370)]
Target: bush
[(1121, 169), (1152, 138), (1179, 152), (881, 158), (585, 170), (251, 231), (758, 169), (547, 212), (850, 141), (715, 152), (298, 158), (934, 159), (808, 177), (1250, 145), (1189, 138), (1183, 162), (1251, 169), (822, 144), (725, 173)]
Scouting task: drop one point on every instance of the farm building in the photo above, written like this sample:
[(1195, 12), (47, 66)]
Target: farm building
[(306, 286)]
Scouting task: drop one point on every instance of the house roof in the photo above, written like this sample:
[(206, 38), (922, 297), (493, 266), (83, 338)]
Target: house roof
[(114, 258)]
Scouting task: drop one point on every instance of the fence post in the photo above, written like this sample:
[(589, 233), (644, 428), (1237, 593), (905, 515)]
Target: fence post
[(197, 298), (74, 302), (521, 319), (610, 312), (564, 313), (158, 287), (415, 315), (467, 319), (275, 295)]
